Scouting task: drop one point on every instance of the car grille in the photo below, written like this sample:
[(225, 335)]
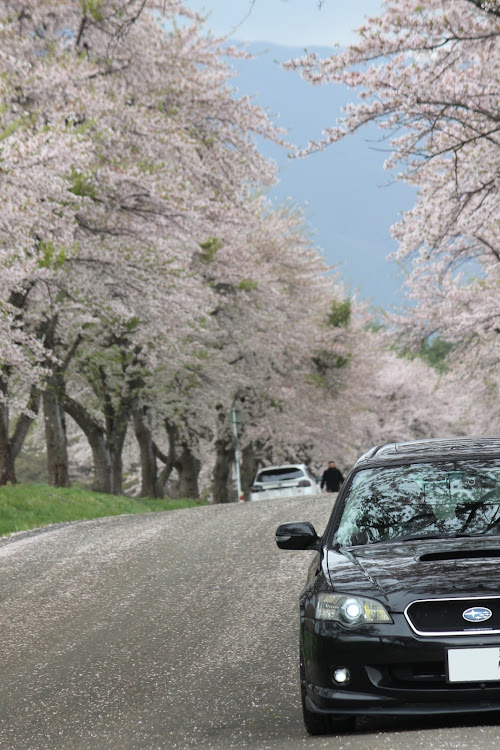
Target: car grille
[(420, 676), (445, 616), (422, 673)]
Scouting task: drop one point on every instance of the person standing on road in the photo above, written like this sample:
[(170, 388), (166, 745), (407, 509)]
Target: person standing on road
[(332, 478)]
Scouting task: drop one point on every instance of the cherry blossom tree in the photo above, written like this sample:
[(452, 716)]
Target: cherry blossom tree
[(411, 400), (148, 281), (428, 73), (282, 350), (271, 326), (133, 144)]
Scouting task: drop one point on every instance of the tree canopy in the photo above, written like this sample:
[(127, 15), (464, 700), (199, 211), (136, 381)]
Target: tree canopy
[(148, 285)]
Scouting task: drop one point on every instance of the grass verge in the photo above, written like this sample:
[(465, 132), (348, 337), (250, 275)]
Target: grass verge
[(29, 506)]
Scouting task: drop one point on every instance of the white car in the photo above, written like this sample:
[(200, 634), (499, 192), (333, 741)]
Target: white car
[(284, 481)]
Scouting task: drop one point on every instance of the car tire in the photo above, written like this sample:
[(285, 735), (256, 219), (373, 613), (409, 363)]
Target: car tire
[(317, 724)]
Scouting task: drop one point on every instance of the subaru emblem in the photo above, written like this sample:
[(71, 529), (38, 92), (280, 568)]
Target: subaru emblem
[(477, 614)]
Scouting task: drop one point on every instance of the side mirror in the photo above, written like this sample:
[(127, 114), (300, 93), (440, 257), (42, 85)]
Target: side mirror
[(297, 535)]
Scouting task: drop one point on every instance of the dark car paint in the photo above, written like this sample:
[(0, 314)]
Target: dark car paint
[(393, 669), (396, 575)]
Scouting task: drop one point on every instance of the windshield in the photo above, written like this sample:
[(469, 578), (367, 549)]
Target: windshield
[(280, 474), (419, 500)]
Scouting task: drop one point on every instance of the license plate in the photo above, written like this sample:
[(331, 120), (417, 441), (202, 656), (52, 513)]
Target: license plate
[(474, 664)]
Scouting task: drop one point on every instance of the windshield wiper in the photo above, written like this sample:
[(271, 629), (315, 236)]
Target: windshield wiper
[(420, 537), (417, 537)]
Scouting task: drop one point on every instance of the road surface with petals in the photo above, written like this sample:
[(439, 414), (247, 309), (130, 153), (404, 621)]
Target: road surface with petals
[(170, 631)]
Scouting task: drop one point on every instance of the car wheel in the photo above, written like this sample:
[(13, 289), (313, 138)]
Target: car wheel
[(318, 723)]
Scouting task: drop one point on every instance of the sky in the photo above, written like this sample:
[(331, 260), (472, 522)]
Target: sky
[(346, 196), (291, 23)]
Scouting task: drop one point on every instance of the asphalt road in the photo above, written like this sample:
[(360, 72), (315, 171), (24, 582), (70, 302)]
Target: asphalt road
[(170, 630)]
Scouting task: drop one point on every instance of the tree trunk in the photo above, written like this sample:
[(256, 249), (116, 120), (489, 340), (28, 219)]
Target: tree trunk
[(249, 466), (188, 467), (117, 441), (114, 438), (7, 459), (222, 471), (106, 443), (150, 486), (11, 446), (103, 473), (54, 416), (55, 437), (168, 460)]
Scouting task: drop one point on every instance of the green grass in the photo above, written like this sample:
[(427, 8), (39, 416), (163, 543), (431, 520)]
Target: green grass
[(29, 506)]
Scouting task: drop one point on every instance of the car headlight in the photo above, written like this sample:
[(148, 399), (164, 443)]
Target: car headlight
[(350, 610)]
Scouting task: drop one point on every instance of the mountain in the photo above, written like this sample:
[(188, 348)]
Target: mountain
[(349, 201)]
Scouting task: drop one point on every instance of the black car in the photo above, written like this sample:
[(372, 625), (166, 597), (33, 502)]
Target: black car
[(401, 611)]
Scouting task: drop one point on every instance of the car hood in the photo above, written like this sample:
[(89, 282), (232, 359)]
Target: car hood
[(398, 573)]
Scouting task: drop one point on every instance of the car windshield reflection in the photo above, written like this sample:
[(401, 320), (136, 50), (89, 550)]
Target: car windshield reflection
[(418, 501)]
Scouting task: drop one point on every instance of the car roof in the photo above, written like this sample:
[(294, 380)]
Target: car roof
[(434, 449)]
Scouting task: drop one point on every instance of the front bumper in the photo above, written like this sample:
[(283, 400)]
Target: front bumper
[(392, 671), (284, 492)]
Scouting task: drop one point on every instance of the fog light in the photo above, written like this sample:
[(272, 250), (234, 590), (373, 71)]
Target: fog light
[(341, 675)]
